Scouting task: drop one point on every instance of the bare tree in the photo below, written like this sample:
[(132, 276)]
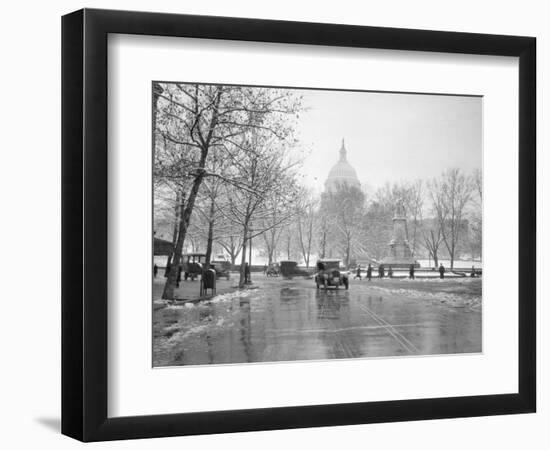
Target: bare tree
[(305, 223), (414, 201), (232, 244), (377, 228), (228, 235), (450, 195), (476, 216), (211, 194), (475, 236), (207, 216), (289, 241), (274, 226), (271, 239), (324, 223), (345, 207), (266, 183), (201, 120), (477, 179), (432, 238)]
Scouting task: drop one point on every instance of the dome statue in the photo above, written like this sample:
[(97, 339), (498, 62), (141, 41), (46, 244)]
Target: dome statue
[(342, 173)]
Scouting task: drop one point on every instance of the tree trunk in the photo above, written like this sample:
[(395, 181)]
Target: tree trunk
[(210, 236), (234, 252), (250, 251), (250, 257), (177, 215), (232, 248), (243, 257), (209, 241), (157, 90), (235, 249), (323, 244), (310, 237), (170, 285), (271, 249), (288, 248)]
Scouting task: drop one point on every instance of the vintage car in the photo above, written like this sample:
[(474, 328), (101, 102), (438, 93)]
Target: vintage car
[(290, 269), (329, 274), (273, 270), (222, 267), (192, 264)]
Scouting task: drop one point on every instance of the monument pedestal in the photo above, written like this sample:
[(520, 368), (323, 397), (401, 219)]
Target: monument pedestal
[(400, 255)]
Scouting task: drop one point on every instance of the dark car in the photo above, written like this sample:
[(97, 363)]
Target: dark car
[(221, 267), (290, 269), (273, 270), (329, 274), (192, 264)]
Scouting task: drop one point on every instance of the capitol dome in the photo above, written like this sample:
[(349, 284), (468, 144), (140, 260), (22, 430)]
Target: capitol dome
[(342, 173)]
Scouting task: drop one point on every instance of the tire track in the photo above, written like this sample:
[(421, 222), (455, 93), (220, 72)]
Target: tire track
[(344, 347), (402, 340)]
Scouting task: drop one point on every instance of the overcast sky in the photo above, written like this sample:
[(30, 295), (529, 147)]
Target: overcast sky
[(389, 137)]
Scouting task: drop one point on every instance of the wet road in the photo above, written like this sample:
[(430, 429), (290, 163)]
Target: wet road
[(289, 320)]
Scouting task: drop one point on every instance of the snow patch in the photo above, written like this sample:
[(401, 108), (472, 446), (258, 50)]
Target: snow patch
[(175, 306), (230, 296), (449, 299)]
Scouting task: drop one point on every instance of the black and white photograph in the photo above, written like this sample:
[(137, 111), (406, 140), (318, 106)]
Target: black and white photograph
[(294, 224), (275, 225)]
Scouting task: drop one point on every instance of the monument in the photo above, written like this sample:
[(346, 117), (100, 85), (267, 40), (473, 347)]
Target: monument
[(400, 254)]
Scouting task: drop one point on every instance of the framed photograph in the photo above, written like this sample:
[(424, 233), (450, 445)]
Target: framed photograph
[(273, 224)]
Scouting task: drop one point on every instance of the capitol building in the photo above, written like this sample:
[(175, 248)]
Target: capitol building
[(341, 173)]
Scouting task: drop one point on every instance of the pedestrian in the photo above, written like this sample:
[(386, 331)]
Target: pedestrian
[(246, 273), (381, 271), (167, 270), (441, 271), (411, 272), (369, 272), (473, 272), (358, 272), (265, 269), (390, 272), (155, 270)]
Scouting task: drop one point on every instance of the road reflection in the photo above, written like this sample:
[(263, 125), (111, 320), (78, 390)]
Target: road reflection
[(292, 320)]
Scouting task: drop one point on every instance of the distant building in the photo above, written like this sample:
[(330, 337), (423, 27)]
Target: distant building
[(342, 173)]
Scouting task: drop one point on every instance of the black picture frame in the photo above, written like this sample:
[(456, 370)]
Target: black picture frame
[(84, 224)]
